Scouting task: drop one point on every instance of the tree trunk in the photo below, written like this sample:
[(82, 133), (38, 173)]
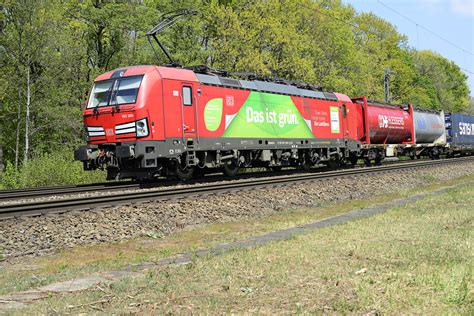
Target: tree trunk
[(18, 117), (2, 165), (27, 117), (18, 124)]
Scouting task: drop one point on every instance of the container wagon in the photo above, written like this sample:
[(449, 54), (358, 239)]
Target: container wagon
[(384, 129), (460, 133), (430, 134)]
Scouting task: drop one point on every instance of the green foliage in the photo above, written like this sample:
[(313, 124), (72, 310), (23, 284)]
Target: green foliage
[(443, 81), (470, 110), (57, 168), (8, 178)]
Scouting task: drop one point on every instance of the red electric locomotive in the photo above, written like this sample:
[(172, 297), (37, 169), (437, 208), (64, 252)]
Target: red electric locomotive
[(149, 121)]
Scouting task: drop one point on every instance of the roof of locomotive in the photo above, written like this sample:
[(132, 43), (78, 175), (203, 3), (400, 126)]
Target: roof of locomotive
[(266, 86), (129, 71), (164, 72), (216, 80)]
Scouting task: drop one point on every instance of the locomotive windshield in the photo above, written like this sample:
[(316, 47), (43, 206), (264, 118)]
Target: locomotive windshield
[(115, 92)]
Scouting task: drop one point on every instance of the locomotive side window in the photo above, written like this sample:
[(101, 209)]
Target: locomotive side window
[(187, 96), (344, 110)]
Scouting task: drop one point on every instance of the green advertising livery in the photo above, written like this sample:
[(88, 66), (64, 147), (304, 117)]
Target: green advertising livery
[(263, 115)]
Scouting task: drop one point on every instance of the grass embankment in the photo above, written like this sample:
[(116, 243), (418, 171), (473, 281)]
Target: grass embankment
[(416, 259)]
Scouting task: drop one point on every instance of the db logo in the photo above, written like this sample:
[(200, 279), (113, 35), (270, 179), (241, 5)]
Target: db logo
[(383, 121), (229, 100), (109, 132)]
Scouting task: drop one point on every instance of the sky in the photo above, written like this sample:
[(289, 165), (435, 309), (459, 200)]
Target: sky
[(452, 20)]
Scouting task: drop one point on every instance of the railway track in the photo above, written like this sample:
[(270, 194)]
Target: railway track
[(8, 195), (33, 193), (30, 193), (36, 208)]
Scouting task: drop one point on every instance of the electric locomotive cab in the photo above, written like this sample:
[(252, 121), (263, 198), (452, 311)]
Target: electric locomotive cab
[(116, 117), (114, 94)]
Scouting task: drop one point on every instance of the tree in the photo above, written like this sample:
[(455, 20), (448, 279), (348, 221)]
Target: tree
[(443, 81), (25, 29), (470, 110)]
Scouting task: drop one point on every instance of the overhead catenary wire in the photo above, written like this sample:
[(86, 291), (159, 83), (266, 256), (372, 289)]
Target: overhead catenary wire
[(468, 71)]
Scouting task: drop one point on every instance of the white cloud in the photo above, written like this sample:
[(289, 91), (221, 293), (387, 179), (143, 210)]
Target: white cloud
[(462, 7), (458, 7)]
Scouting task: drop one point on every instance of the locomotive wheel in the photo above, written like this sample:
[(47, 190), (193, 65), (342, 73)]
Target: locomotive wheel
[(306, 166), (184, 174), (333, 164), (378, 161), (231, 169), (112, 173), (367, 162), (199, 173), (354, 159), (434, 155)]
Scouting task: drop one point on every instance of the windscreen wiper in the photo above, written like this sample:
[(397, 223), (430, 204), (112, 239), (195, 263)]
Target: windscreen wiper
[(113, 96), (96, 108)]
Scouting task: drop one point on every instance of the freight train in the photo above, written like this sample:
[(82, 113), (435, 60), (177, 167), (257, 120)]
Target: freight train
[(144, 122)]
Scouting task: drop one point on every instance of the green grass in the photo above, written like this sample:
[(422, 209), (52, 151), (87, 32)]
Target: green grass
[(415, 259)]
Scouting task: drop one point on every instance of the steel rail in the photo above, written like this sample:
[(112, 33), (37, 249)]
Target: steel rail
[(55, 190), (37, 208), (31, 193)]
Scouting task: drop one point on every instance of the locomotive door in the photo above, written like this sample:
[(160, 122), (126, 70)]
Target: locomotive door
[(345, 122), (189, 105)]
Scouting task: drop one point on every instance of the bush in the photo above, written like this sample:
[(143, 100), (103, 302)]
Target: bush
[(8, 177), (58, 168)]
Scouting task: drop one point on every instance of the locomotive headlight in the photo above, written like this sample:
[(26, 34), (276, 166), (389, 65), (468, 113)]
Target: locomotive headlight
[(142, 128)]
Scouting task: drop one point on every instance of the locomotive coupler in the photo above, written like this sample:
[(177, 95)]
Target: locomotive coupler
[(106, 159)]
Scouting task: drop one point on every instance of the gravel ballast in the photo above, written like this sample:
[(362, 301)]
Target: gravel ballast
[(47, 234)]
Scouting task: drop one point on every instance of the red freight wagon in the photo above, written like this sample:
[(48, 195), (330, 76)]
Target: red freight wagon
[(148, 121), (381, 125)]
